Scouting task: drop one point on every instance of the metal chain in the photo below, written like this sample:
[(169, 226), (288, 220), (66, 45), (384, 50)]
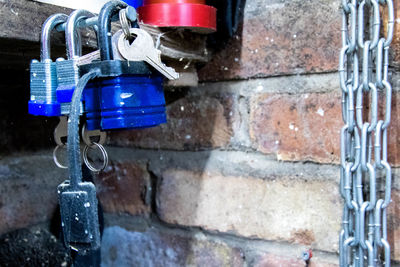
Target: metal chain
[(365, 174)]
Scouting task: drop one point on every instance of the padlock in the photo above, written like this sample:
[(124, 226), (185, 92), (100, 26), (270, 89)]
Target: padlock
[(43, 76), (67, 70), (127, 94)]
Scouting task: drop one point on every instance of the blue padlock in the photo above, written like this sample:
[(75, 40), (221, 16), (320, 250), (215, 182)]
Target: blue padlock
[(43, 80), (127, 95)]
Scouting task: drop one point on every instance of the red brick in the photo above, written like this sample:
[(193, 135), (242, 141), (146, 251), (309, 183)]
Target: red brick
[(154, 248), (123, 187), (28, 194), (395, 46), (394, 225), (284, 209), (193, 124), (297, 127), (280, 38), (272, 260)]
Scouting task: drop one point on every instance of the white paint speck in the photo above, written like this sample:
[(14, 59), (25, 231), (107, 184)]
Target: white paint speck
[(277, 142), (291, 126), (182, 108), (294, 36), (320, 112), (259, 88), (236, 59), (125, 95), (187, 137)]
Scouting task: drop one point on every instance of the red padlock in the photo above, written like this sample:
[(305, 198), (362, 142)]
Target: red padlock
[(188, 14)]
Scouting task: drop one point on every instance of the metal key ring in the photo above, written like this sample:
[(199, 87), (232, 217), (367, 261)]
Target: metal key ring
[(86, 160), (58, 164), (125, 24)]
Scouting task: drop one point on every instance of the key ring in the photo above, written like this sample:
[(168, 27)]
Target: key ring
[(125, 24), (56, 161), (86, 160)]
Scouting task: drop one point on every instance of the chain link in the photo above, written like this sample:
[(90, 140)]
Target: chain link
[(364, 169)]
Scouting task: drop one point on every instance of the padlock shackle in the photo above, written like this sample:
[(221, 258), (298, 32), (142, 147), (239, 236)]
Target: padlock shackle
[(48, 26), (72, 33), (105, 17)]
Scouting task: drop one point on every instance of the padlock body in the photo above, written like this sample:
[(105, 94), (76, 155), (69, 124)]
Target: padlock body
[(125, 102), (67, 78), (79, 218), (43, 85)]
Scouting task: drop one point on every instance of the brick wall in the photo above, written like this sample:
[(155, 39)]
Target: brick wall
[(245, 172)]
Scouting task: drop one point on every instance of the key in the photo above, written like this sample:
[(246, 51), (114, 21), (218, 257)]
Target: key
[(142, 49)]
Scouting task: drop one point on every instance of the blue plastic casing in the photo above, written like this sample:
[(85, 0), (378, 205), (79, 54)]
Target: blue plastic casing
[(42, 108), (124, 102)]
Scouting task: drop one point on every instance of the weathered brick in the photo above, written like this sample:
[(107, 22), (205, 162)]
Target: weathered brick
[(394, 225), (278, 38), (395, 46), (123, 188), (272, 260), (297, 127), (394, 131), (153, 248), (28, 191), (193, 123), (284, 209)]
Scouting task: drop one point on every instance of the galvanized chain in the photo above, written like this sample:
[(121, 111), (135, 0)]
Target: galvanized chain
[(365, 182)]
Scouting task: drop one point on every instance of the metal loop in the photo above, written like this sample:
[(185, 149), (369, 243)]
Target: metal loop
[(86, 160), (378, 63), (366, 65), (375, 24), (342, 69), (390, 23), (58, 164), (125, 25)]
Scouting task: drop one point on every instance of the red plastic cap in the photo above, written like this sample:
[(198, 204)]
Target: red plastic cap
[(198, 17)]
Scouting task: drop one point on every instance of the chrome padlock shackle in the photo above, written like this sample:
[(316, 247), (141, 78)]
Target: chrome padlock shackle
[(48, 26), (107, 12), (72, 34)]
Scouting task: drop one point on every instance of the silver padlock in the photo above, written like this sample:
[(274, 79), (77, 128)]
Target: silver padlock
[(68, 70), (43, 74)]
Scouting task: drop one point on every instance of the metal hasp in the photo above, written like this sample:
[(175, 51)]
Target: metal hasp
[(365, 173), (189, 14), (43, 74), (127, 94)]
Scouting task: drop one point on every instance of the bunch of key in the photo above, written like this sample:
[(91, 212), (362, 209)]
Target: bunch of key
[(127, 93)]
